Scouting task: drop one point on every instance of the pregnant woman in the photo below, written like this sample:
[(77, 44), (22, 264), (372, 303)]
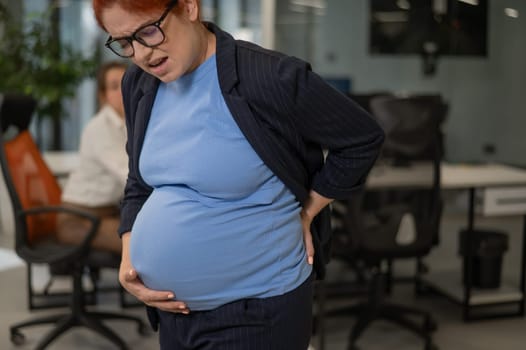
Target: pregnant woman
[(227, 180)]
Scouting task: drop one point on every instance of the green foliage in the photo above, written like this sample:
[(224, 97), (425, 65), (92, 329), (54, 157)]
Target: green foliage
[(34, 62)]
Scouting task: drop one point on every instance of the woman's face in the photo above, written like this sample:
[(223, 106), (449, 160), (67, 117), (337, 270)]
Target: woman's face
[(182, 49), (112, 94)]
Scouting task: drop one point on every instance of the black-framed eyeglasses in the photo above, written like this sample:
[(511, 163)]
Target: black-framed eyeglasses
[(149, 35)]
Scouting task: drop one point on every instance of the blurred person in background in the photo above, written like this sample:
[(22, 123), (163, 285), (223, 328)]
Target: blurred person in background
[(96, 185)]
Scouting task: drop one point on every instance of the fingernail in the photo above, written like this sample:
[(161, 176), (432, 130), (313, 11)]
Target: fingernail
[(170, 296), (186, 312), (182, 307), (310, 260)]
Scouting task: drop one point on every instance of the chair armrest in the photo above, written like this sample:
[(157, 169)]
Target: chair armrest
[(94, 221)]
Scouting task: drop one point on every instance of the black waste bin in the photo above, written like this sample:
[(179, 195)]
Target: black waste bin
[(487, 249)]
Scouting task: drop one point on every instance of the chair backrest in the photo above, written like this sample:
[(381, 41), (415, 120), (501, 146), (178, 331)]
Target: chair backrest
[(413, 134), (364, 99), (373, 220), (29, 181), (412, 125), (16, 110)]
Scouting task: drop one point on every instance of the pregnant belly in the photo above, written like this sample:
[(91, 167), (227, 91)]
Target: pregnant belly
[(200, 251)]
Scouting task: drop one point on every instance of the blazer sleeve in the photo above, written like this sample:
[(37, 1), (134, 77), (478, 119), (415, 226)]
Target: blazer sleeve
[(136, 192), (325, 116)]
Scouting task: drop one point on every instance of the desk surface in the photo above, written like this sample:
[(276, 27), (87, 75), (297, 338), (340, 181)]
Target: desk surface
[(61, 163), (481, 175), (453, 176)]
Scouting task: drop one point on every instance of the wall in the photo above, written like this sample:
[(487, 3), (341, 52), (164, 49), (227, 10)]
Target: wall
[(485, 94)]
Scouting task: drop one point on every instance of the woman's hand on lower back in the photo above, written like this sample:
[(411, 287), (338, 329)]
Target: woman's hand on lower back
[(312, 206)]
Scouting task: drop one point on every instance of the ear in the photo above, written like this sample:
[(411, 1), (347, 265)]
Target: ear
[(191, 9)]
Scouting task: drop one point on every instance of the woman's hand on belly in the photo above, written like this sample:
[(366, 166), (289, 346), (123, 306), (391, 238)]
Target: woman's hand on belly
[(129, 279)]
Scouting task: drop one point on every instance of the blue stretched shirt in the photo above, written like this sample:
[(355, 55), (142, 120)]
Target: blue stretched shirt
[(219, 226)]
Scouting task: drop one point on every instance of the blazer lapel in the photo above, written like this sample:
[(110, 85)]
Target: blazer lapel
[(148, 86)]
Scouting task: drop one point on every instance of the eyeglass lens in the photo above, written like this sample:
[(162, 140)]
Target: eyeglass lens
[(150, 36)]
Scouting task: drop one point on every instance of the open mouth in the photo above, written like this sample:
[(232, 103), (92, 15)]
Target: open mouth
[(157, 63)]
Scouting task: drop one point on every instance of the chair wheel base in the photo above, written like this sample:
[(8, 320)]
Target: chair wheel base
[(430, 325), (431, 347), (17, 338), (143, 330)]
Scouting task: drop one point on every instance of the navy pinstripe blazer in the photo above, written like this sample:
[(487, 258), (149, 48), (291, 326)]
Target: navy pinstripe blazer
[(287, 113)]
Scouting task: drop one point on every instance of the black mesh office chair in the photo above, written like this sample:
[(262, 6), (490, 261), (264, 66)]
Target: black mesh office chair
[(372, 235), (364, 99), (35, 195)]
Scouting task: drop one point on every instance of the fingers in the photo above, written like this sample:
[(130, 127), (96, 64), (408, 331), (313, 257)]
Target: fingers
[(311, 207), (170, 306), (128, 277), (309, 247), (306, 221), (131, 275), (163, 300)]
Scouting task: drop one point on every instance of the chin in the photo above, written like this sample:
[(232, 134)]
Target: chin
[(169, 77), (166, 78), (166, 74)]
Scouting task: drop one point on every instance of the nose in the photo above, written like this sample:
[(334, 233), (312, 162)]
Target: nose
[(141, 51)]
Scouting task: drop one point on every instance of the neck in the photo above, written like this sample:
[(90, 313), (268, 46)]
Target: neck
[(208, 44), (118, 111)]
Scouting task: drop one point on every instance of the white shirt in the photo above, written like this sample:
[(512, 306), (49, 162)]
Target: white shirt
[(100, 177)]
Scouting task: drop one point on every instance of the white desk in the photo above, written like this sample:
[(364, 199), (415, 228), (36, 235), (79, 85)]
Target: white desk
[(61, 163), (470, 178), (453, 176)]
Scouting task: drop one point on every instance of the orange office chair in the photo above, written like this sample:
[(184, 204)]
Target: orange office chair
[(35, 197)]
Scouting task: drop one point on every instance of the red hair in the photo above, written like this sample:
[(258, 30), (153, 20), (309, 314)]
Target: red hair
[(136, 6)]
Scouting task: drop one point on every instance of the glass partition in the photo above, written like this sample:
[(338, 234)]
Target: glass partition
[(486, 116), (78, 29)]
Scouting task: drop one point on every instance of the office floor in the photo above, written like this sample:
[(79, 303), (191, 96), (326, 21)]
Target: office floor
[(452, 333)]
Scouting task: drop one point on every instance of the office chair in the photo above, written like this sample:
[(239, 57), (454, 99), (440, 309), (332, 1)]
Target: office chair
[(364, 99), (408, 122), (35, 195), (402, 132), (372, 237)]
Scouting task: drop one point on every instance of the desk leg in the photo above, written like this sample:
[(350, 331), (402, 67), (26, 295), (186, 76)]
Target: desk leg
[(523, 266), (468, 256)]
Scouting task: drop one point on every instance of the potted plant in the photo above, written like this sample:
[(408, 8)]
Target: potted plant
[(34, 62)]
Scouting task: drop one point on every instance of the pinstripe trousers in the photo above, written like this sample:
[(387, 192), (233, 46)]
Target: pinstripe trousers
[(277, 323)]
